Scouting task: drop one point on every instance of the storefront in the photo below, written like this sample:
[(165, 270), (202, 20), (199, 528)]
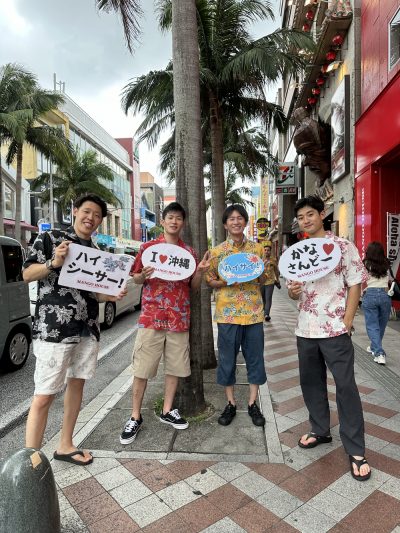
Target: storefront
[(377, 160)]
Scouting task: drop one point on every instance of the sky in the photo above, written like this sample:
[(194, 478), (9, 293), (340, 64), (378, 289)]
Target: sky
[(87, 50)]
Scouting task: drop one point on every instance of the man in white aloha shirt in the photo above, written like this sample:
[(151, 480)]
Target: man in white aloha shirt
[(326, 311)]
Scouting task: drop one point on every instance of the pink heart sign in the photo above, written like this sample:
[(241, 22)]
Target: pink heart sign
[(310, 259)]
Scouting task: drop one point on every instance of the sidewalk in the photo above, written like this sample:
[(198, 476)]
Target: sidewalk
[(241, 477)]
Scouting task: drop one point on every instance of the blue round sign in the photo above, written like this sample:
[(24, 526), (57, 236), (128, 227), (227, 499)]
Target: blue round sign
[(240, 268)]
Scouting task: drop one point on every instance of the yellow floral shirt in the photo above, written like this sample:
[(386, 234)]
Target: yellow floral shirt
[(236, 304), (269, 272)]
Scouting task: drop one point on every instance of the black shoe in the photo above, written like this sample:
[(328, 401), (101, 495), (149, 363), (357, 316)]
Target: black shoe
[(131, 429), (267, 318), (227, 415), (174, 419), (256, 415)]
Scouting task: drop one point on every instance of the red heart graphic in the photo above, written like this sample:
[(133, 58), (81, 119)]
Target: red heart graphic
[(328, 248), (163, 258)]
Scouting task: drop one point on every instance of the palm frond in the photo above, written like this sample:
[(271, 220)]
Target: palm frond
[(129, 11)]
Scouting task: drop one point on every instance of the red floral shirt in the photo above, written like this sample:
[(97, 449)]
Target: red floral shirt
[(165, 304)]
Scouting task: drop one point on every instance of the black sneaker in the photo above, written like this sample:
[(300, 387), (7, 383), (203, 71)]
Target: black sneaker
[(131, 429), (256, 415), (227, 415), (267, 318), (174, 419)]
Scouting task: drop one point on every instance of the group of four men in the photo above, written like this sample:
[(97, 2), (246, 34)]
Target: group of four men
[(66, 330)]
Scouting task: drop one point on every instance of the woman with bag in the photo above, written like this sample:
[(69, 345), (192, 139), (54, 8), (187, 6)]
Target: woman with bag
[(271, 280), (376, 302)]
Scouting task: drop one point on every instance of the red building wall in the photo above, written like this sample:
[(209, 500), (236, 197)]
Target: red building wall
[(375, 18)]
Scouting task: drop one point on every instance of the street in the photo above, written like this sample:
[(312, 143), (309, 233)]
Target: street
[(16, 389)]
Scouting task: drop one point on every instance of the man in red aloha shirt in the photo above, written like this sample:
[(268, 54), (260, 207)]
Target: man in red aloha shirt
[(163, 327), (326, 311)]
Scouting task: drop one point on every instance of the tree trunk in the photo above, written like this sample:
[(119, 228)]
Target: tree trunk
[(217, 168), (188, 174), (1, 199), (18, 194)]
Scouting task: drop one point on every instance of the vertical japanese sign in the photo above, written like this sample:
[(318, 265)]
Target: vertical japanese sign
[(393, 241), (93, 270), (340, 130)]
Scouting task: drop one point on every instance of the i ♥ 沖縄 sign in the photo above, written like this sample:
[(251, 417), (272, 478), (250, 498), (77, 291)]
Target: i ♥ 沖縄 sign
[(170, 262), (309, 259)]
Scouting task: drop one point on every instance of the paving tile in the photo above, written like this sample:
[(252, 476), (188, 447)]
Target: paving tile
[(384, 463), (140, 467), (382, 433), (373, 418), (282, 527), (392, 451), (288, 374), (378, 410), (373, 443), (71, 521), (101, 464), (391, 487), (285, 407), (63, 503), (69, 476), (297, 459), (308, 519), (226, 525), (283, 423), (130, 492), (160, 478), (282, 368), (254, 518), (301, 415), (177, 495), (276, 473), (299, 485), (95, 509), (356, 491), (119, 521), (284, 384), (229, 470), (205, 481), (276, 354), (200, 514), (83, 490), (279, 502), (365, 517), (291, 436), (148, 510), (228, 498), (114, 477), (332, 504), (329, 468), (184, 469), (252, 484)]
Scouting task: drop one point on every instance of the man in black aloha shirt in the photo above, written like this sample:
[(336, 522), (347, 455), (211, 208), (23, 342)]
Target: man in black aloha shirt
[(66, 329)]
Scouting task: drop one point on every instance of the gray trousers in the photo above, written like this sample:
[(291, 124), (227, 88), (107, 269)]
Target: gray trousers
[(336, 353), (266, 293)]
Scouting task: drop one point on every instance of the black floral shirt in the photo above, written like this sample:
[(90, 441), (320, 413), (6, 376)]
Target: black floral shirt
[(62, 314)]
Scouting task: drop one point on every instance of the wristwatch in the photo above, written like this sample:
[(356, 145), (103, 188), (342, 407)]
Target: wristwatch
[(49, 265)]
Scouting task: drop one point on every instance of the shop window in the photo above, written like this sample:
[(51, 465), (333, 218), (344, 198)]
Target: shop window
[(9, 201), (394, 40)]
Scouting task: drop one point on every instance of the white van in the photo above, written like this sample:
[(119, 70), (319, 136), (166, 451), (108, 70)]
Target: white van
[(15, 316)]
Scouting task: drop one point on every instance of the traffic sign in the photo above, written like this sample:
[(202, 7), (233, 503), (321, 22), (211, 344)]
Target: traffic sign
[(44, 226)]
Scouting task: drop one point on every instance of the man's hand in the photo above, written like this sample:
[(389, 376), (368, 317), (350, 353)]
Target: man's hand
[(146, 273), (204, 264), (295, 289), (119, 296), (60, 253)]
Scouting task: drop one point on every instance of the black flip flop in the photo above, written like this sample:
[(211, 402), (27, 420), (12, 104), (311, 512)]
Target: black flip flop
[(69, 457), (319, 439), (359, 463)]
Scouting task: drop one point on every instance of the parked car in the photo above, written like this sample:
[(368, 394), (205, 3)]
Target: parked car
[(108, 311), (15, 317)]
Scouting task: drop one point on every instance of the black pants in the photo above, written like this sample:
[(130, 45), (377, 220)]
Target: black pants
[(336, 353)]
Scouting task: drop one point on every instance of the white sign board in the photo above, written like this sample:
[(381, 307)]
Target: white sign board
[(309, 259), (93, 270), (169, 261)]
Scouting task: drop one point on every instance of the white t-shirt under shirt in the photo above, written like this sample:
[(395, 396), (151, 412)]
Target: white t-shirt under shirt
[(377, 283)]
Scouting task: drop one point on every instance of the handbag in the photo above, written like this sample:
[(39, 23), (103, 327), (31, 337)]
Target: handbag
[(394, 291), (277, 284)]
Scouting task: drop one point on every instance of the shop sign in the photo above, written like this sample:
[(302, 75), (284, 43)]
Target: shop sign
[(340, 130), (393, 241), (286, 190)]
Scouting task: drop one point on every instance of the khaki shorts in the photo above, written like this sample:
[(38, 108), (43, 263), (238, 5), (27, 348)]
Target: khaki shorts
[(149, 347), (57, 361)]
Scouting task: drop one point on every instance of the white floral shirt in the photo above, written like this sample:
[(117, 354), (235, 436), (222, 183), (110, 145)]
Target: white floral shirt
[(322, 303)]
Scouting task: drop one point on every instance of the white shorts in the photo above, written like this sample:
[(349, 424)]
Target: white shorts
[(57, 361)]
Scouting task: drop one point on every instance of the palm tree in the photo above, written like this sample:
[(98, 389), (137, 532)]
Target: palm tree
[(233, 72), (49, 140), (129, 12), (233, 194), (83, 173)]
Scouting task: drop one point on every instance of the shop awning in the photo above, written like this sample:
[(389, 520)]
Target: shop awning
[(24, 225)]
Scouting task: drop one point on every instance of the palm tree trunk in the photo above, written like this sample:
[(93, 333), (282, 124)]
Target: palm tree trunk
[(18, 194), (217, 168), (188, 146), (1, 198)]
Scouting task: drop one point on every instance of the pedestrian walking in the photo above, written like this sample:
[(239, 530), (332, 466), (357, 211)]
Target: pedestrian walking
[(66, 329), (163, 327), (376, 302), (326, 311), (271, 280), (239, 314)]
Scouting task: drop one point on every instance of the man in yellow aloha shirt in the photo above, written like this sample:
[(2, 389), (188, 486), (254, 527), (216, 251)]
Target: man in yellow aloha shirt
[(271, 279), (240, 316)]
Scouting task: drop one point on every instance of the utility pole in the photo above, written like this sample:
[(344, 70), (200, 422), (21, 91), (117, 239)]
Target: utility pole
[(51, 196)]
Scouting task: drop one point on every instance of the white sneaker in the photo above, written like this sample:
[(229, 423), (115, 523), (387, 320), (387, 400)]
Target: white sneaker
[(380, 359), (369, 349)]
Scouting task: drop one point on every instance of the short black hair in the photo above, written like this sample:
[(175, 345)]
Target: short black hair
[(234, 207), (309, 201), (173, 207), (89, 197)]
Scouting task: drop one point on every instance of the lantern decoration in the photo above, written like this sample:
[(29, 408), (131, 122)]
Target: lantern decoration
[(316, 91), (331, 55), (320, 81), (324, 68), (306, 27), (312, 100), (337, 40), (310, 15)]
